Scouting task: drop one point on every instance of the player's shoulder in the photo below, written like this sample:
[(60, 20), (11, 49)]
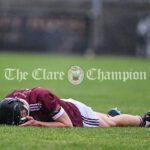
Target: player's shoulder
[(39, 90), (33, 90), (42, 92), (18, 92)]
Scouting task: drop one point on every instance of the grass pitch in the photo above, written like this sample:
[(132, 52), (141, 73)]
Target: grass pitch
[(130, 97)]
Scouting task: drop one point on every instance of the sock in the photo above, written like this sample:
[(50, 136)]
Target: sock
[(143, 121), (147, 124)]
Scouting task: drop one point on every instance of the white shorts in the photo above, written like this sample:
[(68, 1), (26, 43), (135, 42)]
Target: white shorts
[(89, 118)]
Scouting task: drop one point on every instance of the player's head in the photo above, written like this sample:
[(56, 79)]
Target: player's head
[(11, 111)]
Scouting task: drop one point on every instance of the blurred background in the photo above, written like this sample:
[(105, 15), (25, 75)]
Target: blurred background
[(86, 27)]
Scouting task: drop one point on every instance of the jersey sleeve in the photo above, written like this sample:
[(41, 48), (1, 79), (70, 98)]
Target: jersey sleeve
[(50, 103)]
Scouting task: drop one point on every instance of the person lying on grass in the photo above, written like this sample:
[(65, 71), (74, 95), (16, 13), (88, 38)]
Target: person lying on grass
[(40, 107)]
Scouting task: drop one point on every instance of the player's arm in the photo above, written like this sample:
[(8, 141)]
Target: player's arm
[(62, 121), (51, 107)]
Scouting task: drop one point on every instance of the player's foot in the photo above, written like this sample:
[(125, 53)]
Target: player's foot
[(114, 112), (146, 118)]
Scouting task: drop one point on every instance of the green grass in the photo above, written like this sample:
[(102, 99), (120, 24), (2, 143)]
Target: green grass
[(130, 97)]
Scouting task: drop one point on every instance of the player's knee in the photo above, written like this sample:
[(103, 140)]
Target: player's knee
[(124, 117), (121, 119), (118, 120), (112, 124)]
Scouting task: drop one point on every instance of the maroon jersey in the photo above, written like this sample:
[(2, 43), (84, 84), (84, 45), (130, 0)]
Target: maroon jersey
[(46, 106)]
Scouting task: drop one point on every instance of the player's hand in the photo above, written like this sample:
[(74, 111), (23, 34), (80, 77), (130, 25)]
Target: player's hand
[(30, 122)]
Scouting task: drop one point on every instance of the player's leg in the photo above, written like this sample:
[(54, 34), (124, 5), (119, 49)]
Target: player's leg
[(119, 120), (126, 120)]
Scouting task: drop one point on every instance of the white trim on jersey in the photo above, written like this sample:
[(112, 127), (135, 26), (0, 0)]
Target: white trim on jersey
[(58, 114), (35, 107)]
